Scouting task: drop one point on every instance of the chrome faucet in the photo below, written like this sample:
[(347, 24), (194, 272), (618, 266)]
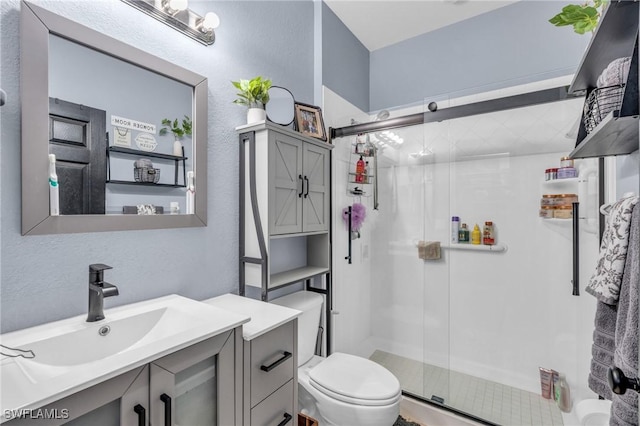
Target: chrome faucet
[(98, 290)]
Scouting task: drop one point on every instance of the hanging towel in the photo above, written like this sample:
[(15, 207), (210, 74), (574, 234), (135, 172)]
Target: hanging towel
[(624, 408), (605, 281), (602, 349)]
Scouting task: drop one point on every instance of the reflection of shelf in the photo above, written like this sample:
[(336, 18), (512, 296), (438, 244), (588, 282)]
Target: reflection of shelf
[(145, 153), (128, 182), (295, 275), (496, 248), (613, 136)]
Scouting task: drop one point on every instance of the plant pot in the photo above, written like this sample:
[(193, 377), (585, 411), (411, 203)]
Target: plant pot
[(255, 115), (177, 148)]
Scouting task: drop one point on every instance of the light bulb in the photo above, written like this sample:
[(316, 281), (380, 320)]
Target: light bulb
[(211, 21), (178, 4)]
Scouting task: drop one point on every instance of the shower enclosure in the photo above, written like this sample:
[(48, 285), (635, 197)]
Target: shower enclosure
[(468, 330)]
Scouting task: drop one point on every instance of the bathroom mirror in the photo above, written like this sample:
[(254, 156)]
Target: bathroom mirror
[(280, 108), (71, 74)]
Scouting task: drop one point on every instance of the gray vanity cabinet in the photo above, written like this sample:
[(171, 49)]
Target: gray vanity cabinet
[(198, 385), (270, 377), (298, 185)]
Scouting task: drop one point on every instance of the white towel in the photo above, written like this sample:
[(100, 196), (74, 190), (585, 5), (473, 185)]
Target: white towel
[(605, 281)]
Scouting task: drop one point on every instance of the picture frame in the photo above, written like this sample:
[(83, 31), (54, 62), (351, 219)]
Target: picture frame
[(309, 121)]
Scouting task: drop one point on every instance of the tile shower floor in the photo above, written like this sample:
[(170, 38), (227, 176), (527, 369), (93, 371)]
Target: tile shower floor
[(482, 398)]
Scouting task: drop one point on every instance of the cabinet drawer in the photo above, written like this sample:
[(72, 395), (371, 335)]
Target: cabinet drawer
[(267, 350), (276, 409)]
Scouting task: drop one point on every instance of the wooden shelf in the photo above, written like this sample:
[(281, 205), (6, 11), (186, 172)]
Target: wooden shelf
[(614, 38), (295, 275), (128, 182), (130, 151), (613, 136)]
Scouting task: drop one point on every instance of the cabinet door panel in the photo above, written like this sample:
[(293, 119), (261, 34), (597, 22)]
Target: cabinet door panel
[(285, 184), (316, 195), (105, 404)]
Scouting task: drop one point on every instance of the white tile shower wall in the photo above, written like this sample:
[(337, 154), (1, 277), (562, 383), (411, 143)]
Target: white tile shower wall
[(351, 283)]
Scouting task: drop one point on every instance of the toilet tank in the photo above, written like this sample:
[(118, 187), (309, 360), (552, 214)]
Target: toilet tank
[(310, 304)]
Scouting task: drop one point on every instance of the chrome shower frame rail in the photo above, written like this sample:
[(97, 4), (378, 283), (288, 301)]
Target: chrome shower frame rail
[(510, 102)]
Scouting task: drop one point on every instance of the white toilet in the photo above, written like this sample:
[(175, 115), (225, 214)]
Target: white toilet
[(342, 389)]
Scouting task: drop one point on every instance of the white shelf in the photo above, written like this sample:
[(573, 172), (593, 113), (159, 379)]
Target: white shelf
[(560, 182), (496, 248), (295, 275)]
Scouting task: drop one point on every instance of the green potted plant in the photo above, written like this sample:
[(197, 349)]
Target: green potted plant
[(254, 94), (583, 17), (179, 130)]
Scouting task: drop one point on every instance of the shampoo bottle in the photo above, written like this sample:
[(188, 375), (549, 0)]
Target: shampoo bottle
[(191, 193), (360, 170), (54, 201), (563, 394), (476, 235), (455, 228)]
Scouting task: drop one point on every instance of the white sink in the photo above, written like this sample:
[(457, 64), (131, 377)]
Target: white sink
[(94, 341), (72, 354)]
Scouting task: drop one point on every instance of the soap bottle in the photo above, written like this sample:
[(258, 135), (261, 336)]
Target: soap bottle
[(563, 394), (463, 234), (476, 235)]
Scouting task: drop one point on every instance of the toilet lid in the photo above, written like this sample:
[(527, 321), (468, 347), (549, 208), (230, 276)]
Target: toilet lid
[(355, 380)]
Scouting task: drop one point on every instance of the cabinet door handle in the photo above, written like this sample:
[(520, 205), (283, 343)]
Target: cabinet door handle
[(301, 186), (167, 408), (287, 418), (142, 414), (270, 367), (306, 194)]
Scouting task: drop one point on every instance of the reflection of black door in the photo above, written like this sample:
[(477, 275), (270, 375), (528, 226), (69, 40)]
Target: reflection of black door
[(77, 137)]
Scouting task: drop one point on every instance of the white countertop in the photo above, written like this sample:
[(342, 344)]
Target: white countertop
[(29, 384), (264, 316)]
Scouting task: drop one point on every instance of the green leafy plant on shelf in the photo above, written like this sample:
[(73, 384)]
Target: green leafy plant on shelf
[(178, 129), (583, 17), (252, 93)]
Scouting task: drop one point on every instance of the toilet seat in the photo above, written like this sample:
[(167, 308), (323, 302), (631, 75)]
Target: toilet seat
[(355, 380)]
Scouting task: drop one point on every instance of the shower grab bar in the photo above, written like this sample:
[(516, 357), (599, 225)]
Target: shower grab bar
[(375, 179), (348, 258), (576, 250)]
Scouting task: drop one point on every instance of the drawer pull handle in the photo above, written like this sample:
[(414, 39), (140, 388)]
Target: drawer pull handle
[(167, 408), (287, 418), (268, 368), (142, 414)]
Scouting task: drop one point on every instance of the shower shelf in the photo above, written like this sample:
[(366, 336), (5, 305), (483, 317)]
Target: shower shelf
[(496, 248)]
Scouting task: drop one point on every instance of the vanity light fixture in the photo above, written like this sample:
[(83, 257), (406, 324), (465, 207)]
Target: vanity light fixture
[(177, 15)]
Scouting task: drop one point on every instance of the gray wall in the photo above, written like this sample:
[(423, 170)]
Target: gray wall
[(345, 61), (44, 278), (511, 45)]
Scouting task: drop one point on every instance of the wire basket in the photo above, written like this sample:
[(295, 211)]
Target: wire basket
[(146, 174), (601, 102)]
